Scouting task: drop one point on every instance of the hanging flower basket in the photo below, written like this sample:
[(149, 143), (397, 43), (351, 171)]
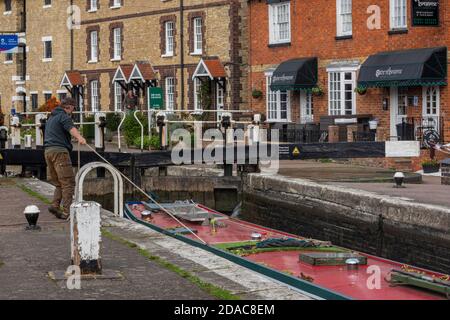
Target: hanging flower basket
[(317, 91), (361, 90), (256, 94)]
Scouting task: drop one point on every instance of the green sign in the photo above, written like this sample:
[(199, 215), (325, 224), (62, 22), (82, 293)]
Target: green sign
[(155, 98)]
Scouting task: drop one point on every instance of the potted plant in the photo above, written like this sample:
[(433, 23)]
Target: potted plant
[(317, 91), (256, 94), (431, 166), (361, 90), (373, 124)]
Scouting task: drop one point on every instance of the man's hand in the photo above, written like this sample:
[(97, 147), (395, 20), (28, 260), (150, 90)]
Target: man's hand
[(82, 141), (76, 134)]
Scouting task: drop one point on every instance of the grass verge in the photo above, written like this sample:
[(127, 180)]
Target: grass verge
[(34, 194), (209, 288)]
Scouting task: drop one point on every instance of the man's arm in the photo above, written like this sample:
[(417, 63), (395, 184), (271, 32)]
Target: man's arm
[(76, 134)]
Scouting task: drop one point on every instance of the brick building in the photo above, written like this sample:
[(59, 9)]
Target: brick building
[(32, 74), (316, 63), (118, 45)]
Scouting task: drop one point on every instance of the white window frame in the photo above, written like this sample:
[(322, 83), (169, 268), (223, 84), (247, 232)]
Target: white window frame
[(306, 107), (435, 116), (197, 85), (44, 41), (336, 90), (274, 102), (170, 93), (117, 35), (94, 46), (169, 30), (93, 5), (46, 6), (398, 14), (198, 35), (274, 25), (426, 100), (342, 14), (118, 104), (116, 4), (94, 96)]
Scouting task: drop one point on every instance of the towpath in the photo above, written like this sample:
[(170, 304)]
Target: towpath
[(153, 266)]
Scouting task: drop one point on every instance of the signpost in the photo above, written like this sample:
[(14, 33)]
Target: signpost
[(8, 42), (155, 98), (425, 13)]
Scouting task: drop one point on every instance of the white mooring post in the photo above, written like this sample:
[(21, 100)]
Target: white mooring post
[(15, 132), (40, 117), (99, 131), (85, 236)]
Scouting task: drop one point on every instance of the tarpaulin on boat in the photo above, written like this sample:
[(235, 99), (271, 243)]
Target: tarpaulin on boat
[(416, 67)]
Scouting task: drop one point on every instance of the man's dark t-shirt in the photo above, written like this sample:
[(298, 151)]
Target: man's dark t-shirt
[(57, 130)]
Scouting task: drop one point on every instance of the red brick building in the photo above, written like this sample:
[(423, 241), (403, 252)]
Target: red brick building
[(321, 62)]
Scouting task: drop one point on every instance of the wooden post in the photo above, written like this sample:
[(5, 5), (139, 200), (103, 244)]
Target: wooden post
[(85, 236)]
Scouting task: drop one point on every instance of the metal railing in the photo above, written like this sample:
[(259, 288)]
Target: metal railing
[(204, 124), (421, 129)]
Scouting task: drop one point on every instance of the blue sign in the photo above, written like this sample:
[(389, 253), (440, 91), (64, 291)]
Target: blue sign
[(8, 42)]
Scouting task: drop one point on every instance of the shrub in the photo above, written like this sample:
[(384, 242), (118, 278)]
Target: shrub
[(28, 130), (152, 142), (113, 121), (132, 129), (49, 105), (88, 130), (429, 163)]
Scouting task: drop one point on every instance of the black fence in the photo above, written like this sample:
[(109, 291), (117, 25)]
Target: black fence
[(301, 133), (421, 129)]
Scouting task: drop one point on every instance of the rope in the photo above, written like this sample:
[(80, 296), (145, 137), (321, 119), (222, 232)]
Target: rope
[(148, 196)]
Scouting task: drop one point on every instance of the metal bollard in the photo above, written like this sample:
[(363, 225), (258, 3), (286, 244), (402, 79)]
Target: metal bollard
[(85, 236)]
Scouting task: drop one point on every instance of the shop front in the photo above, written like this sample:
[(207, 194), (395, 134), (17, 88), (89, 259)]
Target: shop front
[(412, 81)]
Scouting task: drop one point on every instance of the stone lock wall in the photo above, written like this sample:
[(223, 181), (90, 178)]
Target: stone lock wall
[(389, 227), (445, 169)]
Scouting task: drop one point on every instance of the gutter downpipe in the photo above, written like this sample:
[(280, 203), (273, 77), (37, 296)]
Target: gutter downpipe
[(71, 39), (182, 66)]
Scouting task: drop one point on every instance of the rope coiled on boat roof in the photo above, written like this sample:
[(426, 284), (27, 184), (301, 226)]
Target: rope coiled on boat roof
[(286, 242)]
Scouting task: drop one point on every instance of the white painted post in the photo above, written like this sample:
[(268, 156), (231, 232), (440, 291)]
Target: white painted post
[(15, 132), (85, 236), (39, 133), (99, 131)]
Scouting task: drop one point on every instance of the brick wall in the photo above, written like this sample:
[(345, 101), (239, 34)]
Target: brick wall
[(313, 33)]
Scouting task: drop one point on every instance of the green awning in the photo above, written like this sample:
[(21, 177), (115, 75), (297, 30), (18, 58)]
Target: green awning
[(405, 68), (295, 74)]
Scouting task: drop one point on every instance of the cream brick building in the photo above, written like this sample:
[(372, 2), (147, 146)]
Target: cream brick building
[(165, 40), (36, 74)]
